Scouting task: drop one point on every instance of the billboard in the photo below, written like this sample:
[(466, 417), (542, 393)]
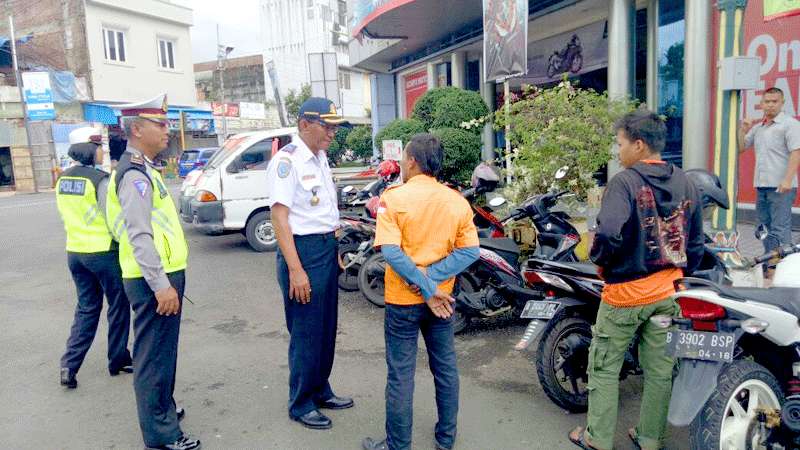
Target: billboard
[(574, 52), (505, 38), (415, 84), (323, 70)]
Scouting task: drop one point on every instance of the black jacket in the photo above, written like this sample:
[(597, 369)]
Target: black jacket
[(650, 219)]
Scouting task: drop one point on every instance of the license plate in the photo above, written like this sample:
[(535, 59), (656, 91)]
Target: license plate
[(540, 309), (703, 345)]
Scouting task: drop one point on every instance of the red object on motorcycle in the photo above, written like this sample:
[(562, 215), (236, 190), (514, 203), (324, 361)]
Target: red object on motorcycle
[(372, 207), (703, 314), (497, 234), (531, 277)]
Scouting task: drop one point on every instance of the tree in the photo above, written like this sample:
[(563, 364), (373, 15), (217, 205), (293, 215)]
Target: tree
[(338, 144), (294, 100), (457, 107), (360, 142), (423, 109)]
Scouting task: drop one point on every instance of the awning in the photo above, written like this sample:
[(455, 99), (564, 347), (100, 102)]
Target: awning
[(99, 112)]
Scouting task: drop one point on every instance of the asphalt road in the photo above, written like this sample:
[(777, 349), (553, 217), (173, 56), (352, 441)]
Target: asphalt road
[(232, 368)]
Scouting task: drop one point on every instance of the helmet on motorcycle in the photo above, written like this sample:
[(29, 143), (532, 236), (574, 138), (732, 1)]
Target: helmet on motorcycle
[(388, 168), (711, 191), (485, 176)]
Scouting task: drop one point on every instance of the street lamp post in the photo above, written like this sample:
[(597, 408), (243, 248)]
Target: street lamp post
[(222, 58)]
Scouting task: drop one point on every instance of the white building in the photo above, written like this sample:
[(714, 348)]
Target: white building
[(139, 49), (291, 29)]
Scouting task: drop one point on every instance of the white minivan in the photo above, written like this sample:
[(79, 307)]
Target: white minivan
[(231, 193)]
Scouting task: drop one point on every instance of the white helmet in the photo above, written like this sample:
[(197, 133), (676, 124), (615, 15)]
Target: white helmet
[(85, 135)]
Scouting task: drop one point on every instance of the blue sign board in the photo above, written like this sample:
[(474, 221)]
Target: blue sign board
[(38, 96)]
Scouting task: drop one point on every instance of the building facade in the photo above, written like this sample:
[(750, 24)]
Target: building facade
[(292, 29), (662, 53)]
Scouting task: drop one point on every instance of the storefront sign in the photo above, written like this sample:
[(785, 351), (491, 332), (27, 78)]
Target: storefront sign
[(775, 9), (38, 96), (415, 85), (225, 109), (252, 111), (505, 38), (574, 52)]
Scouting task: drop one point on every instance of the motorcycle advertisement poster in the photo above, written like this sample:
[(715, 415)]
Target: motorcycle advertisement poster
[(505, 38), (574, 52)]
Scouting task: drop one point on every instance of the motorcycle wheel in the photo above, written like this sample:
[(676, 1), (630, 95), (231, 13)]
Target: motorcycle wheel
[(370, 279), (743, 388), (348, 279), (464, 283), (577, 63), (568, 392)]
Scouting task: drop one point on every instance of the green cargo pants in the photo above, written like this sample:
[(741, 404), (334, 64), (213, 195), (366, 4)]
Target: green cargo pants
[(612, 334)]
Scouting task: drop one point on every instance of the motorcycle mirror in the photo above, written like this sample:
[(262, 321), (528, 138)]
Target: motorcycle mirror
[(497, 201), (348, 189), (562, 172), (761, 232)]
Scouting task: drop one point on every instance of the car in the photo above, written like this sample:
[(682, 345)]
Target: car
[(195, 158), (230, 194), (187, 194)]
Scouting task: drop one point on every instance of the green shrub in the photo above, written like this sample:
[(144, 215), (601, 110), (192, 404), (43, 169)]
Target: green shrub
[(401, 129), (338, 144), (462, 152), (456, 108), (360, 142), (423, 109)]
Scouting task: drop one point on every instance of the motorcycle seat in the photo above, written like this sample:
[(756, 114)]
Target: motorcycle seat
[(507, 245), (788, 299), (584, 268)]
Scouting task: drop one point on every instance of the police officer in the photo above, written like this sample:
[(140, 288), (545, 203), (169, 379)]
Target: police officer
[(304, 214), (92, 258), (153, 255)]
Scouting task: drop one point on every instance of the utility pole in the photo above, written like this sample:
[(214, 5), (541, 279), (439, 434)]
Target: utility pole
[(221, 72), (22, 99)]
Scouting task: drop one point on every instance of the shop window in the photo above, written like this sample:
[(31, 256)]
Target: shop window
[(443, 75), (473, 75)]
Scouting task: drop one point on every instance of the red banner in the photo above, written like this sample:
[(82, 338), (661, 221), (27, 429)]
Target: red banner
[(225, 109), (777, 43), (415, 85)]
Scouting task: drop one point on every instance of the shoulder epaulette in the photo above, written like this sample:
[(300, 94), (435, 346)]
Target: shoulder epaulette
[(288, 148)]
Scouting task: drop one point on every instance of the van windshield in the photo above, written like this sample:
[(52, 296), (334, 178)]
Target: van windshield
[(230, 147)]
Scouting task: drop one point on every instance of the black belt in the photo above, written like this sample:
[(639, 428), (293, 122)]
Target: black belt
[(329, 235)]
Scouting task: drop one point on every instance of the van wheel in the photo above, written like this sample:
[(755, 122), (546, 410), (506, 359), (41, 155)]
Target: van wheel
[(260, 233)]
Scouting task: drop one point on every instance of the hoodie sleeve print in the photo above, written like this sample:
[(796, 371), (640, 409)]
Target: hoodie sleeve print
[(615, 212), (695, 246)]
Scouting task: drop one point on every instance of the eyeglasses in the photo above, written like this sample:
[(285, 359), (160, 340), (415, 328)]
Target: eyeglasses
[(328, 128)]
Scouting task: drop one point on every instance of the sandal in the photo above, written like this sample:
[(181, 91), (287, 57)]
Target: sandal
[(578, 437), (634, 438)]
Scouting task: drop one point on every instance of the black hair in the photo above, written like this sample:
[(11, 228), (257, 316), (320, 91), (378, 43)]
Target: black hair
[(646, 126), (84, 153), (427, 151), (774, 90)]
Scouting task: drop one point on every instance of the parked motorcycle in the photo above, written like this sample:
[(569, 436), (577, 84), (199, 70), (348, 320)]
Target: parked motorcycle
[(564, 314), (738, 382), (354, 235)]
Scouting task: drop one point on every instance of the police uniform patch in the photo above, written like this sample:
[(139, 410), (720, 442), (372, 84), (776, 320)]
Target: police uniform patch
[(141, 187), (137, 158), (284, 167), (72, 187)]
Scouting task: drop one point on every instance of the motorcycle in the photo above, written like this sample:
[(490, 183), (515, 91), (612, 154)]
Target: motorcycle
[(354, 236), (562, 317), (738, 381), (569, 59)]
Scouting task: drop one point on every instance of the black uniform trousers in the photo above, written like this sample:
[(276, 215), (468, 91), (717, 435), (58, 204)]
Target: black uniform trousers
[(155, 357), (312, 326), (95, 274)]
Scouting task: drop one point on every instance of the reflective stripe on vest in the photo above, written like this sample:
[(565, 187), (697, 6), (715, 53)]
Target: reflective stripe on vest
[(167, 232), (76, 198)]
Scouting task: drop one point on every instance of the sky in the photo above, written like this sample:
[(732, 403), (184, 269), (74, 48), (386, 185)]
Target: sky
[(238, 27)]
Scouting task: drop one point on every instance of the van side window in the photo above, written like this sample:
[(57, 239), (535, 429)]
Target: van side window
[(256, 157)]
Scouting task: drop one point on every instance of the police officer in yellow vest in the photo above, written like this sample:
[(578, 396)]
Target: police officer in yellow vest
[(92, 258), (153, 254)]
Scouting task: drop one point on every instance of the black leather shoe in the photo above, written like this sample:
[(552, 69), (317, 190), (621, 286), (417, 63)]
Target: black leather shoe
[(314, 420), (372, 444), (183, 443), (180, 412), (68, 378), (337, 403), (116, 371)]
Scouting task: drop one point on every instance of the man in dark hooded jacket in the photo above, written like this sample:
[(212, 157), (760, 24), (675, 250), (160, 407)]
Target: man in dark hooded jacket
[(650, 233)]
